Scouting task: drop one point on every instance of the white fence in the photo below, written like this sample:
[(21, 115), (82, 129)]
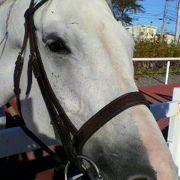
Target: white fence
[(174, 128), (14, 141), (172, 111), (168, 60)]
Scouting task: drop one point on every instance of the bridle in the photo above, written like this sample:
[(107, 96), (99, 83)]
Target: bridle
[(73, 140)]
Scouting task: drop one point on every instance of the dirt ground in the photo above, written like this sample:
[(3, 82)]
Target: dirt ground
[(155, 79)]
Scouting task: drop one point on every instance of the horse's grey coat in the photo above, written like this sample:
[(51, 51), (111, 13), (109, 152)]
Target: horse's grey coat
[(98, 70)]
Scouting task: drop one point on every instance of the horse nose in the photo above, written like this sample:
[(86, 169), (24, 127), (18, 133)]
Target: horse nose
[(139, 178)]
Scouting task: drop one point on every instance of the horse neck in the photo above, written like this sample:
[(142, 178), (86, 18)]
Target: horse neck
[(11, 21), (12, 24)]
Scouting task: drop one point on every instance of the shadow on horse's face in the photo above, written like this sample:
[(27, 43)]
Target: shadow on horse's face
[(119, 152), (6, 84)]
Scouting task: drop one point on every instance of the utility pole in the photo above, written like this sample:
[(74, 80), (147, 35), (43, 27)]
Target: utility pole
[(178, 21), (164, 18)]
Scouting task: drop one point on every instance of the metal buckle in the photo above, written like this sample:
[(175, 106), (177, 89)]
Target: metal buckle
[(98, 176)]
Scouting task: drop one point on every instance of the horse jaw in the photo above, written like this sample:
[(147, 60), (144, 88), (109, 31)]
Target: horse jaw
[(133, 141)]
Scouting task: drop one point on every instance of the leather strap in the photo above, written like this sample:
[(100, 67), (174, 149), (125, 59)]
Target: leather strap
[(62, 125), (19, 119), (32, 8), (105, 114), (19, 65)]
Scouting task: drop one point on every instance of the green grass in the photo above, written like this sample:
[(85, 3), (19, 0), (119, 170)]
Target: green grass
[(161, 71)]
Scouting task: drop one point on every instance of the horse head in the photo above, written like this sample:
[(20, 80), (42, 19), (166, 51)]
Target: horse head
[(87, 56)]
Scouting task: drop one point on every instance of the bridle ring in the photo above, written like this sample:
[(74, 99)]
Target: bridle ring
[(98, 177)]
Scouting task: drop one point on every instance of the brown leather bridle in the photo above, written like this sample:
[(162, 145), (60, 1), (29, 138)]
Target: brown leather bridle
[(73, 140)]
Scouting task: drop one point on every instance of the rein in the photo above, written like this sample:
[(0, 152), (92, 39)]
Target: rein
[(73, 140)]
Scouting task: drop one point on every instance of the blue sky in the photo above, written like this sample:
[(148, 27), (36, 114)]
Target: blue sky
[(154, 12)]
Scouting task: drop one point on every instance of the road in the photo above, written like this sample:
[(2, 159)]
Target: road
[(155, 79)]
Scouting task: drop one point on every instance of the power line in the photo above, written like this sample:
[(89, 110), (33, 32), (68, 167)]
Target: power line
[(171, 20), (174, 17), (172, 11), (168, 16)]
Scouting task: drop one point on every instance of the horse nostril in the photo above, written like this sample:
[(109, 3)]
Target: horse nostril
[(138, 178)]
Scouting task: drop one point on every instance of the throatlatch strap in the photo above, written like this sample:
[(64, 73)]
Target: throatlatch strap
[(17, 75), (60, 121), (104, 115)]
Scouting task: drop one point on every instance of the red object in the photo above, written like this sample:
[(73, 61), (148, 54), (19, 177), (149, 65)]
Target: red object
[(12, 102), (159, 94)]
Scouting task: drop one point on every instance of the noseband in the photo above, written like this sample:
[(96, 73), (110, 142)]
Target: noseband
[(73, 140)]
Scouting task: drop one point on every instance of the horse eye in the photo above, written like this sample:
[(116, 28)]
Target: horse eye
[(58, 46)]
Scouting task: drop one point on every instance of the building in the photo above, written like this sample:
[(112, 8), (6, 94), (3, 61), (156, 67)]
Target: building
[(142, 32), (169, 38)]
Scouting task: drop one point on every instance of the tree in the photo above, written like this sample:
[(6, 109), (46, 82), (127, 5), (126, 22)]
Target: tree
[(126, 8)]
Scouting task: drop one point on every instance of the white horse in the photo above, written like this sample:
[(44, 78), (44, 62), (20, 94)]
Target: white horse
[(87, 56)]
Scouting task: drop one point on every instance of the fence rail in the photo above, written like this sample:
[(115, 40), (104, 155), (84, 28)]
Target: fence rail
[(157, 59), (168, 60)]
